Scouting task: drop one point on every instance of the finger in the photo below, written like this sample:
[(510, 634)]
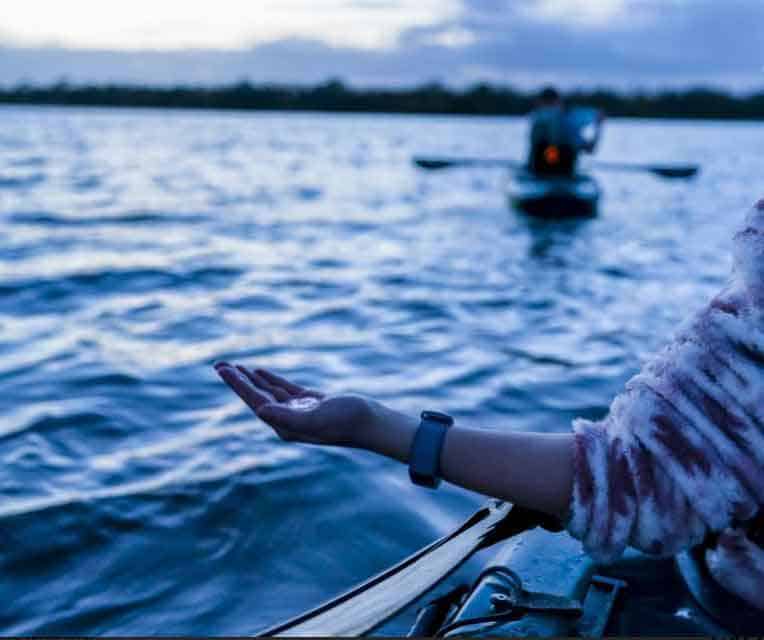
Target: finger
[(291, 387), (259, 381), (242, 386)]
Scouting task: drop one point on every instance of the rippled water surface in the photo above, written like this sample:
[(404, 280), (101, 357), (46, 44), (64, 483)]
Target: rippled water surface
[(138, 496)]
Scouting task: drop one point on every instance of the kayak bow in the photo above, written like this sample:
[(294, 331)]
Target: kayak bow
[(370, 604), (553, 196)]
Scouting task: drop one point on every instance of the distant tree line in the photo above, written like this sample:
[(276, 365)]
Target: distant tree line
[(482, 99)]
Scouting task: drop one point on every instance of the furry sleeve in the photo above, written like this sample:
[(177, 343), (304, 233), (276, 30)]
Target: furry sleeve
[(681, 451)]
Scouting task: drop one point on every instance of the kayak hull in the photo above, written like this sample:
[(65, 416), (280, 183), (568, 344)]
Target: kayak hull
[(554, 197)]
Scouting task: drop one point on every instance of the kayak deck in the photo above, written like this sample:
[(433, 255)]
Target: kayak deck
[(655, 602)]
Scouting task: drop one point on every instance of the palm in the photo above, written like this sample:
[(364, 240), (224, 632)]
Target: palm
[(294, 412)]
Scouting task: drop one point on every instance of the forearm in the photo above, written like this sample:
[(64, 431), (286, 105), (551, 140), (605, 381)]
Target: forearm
[(531, 469), (534, 470)]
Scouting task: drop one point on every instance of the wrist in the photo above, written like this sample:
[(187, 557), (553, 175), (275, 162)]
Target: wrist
[(388, 432)]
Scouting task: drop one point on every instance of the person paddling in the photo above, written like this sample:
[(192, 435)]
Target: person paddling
[(558, 135), (677, 460)]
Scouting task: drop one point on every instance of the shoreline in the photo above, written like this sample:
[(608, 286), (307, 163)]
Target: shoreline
[(432, 100)]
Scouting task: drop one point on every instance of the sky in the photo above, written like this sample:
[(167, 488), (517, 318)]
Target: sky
[(623, 44)]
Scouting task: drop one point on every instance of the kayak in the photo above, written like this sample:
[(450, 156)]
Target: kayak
[(540, 584), (553, 196)]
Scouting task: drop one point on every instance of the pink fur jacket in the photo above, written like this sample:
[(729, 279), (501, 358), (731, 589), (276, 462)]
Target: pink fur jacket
[(681, 452)]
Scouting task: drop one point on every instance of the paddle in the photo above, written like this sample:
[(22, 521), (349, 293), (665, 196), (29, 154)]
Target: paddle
[(434, 164), (664, 171), (375, 601)]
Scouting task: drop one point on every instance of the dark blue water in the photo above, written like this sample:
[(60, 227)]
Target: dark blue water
[(138, 496)]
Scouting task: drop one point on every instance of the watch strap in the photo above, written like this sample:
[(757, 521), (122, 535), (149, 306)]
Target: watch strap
[(424, 457)]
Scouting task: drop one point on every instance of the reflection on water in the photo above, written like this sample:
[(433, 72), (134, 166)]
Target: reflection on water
[(551, 238), (139, 496)]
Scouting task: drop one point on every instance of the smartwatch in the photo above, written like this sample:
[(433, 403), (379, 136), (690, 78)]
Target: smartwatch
[(424, 457)]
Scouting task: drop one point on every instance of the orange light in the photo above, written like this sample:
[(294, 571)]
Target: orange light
[(552, 155)]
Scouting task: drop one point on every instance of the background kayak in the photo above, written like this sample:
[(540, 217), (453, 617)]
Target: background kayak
[(553, 197)]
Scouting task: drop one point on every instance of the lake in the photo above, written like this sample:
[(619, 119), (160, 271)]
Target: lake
[(140, 497)]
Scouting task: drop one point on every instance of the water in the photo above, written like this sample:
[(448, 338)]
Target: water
[(138, 496)]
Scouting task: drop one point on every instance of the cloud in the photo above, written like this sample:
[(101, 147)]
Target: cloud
[(619, 43), (641, 41), (224, 24)]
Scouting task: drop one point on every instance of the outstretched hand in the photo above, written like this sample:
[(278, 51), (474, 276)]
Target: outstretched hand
[(296, 413), (472, 458)]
